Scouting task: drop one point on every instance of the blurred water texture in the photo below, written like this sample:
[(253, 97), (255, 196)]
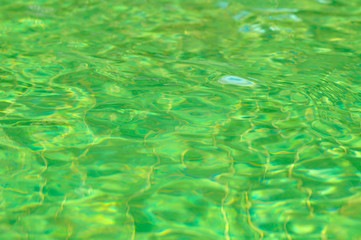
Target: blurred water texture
[(115, 124)]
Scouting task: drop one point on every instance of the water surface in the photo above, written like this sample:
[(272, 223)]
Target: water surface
[(114, 125)]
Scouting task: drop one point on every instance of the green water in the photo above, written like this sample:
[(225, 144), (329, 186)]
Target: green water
[(114, 123)]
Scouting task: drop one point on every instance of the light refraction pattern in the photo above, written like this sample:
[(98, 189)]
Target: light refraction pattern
[(114, 125)]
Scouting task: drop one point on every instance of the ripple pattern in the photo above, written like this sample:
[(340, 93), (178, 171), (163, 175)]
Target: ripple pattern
[(113, 124)]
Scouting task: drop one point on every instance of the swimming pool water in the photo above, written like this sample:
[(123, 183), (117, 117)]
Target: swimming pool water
[(179, 119)]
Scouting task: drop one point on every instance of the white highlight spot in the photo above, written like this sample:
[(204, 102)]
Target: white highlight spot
[(236, 81)]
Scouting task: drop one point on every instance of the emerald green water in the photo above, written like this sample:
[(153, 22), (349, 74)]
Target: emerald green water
[(115, 123)]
